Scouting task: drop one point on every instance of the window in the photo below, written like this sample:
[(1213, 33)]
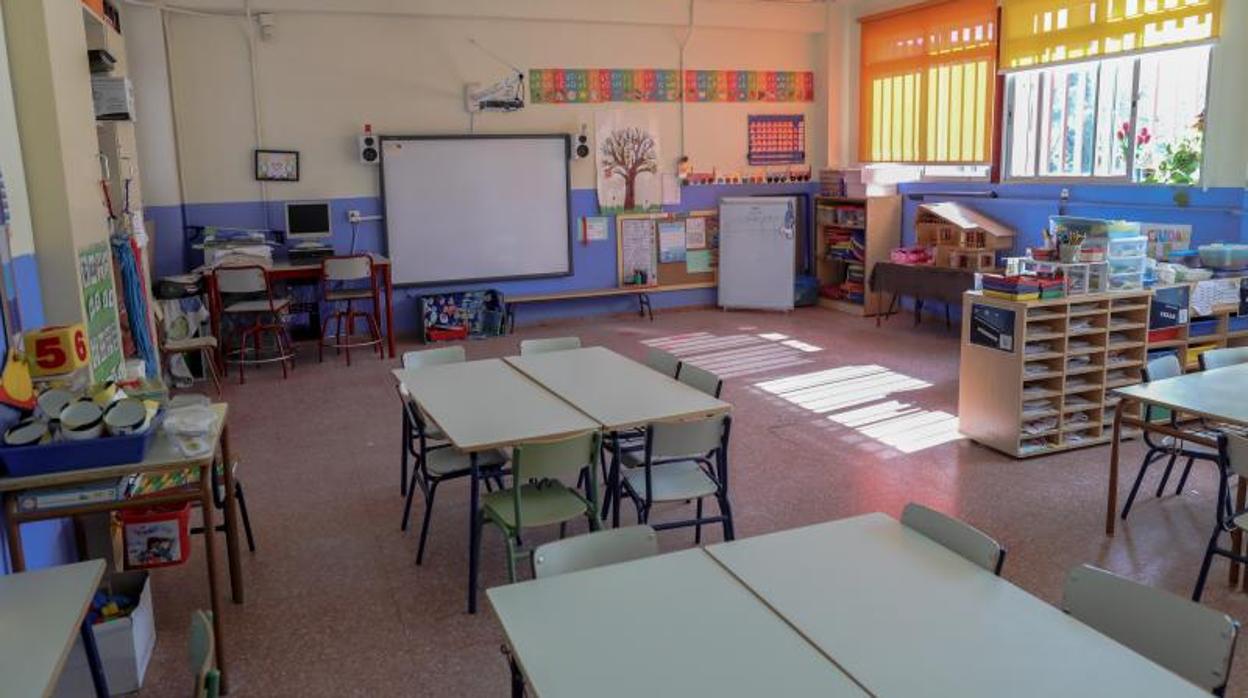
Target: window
[(1109, 89), (1080, 120), (927, 83)]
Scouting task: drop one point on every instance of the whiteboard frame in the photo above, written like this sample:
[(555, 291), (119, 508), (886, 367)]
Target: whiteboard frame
[(567, 176)]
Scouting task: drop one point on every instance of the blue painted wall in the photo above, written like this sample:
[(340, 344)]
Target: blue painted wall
[(593, 264)]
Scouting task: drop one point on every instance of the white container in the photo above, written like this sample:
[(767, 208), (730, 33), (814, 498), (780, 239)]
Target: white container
[(1129, 281), (1123, 248), (1127, 265), (125, 644)]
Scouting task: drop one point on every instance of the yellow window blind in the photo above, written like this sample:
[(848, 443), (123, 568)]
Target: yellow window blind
[(1036, 32), (926, 83)]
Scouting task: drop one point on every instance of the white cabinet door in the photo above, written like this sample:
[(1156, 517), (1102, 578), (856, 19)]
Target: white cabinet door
[(756, 251)]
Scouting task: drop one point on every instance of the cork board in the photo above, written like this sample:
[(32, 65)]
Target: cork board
[(703, 235)]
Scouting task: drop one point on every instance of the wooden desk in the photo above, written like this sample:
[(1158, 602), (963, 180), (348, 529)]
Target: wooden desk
[(40, 615), (905, 616), (162, 456), (618, 393), (481, 405), (1216, 395), (311, 271), (672, 625)]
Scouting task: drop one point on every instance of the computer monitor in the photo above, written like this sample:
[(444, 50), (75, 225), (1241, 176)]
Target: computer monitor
[(307, 220)]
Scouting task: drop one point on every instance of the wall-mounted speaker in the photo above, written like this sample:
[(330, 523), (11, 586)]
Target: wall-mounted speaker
[(580, 144), (367, 146)]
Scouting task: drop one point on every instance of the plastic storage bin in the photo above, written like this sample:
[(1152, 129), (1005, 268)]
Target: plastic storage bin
[(1202, 328), (1129, 281), (1237, 323), (157, 537), (1224, 256), (1127, 247), (1127, 265), (61, 456)]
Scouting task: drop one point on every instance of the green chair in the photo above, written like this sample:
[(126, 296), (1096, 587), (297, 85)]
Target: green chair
[(537, 496), (410, 433), (529, 347), (959, 537), (204, 656)]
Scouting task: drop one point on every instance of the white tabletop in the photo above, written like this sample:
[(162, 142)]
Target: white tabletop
[(615, 390), (487, 404), (40, 614), (907, 617), (1216, 394), (672, 625)]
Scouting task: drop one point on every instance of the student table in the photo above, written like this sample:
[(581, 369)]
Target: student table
[(311, 272), (618, 393), (904, 616), (481, 405), (1216, 395), (673, 625), (40, 615), (162, 456)]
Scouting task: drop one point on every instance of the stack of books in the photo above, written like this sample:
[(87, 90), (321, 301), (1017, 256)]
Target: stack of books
[(1014, 288)]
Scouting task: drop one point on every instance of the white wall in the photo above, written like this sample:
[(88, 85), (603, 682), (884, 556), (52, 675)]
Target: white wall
[(325, 73)]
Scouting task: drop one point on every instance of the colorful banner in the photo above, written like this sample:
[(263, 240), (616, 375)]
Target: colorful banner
[(777, 139), (573, 86)]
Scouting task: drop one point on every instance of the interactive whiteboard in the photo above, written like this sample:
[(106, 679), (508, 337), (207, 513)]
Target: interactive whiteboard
[(476, 207)]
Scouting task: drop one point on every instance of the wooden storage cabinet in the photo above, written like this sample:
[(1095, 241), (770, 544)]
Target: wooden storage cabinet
[(874, 226), (1044, 388)]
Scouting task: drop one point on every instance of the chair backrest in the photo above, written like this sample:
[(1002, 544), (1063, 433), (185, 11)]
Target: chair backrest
[(1167, 366), (700, 379), (1193, 641), (1235, 450), (594, 550), (434, 357), (244, 279), (541, 346), (962, 538), (563, 458), (347, 268), (694, 439), (203, 656), (662, 361), (1221, 358)]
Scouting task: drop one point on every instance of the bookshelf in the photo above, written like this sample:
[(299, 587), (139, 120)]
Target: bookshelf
[(852, 235)]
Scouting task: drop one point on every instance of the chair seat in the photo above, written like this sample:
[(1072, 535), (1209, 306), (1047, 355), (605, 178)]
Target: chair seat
[(551, 503), (351, 294), (447, 461), (257, 306), (672, 481), (176, 346)]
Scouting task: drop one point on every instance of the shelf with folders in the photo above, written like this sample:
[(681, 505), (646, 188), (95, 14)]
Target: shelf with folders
[(852, 235), (1035, 375)]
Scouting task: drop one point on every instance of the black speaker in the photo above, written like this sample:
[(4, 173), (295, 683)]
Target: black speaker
[(367, 147), (580, 149)]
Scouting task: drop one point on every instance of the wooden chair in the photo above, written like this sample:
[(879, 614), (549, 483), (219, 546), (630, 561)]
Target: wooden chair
[(681, 462), (340, 283), (1193, 641), (204, 345), (417, 359), (548, 344), (267, 314), (203, 655), (538, 496), (962, 538), (700, 379)]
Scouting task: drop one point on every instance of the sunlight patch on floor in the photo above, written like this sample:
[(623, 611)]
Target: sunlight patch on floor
[(730, 356)]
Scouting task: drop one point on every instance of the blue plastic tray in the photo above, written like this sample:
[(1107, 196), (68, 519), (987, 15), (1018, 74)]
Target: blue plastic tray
[(62, 456), (1202, 328)]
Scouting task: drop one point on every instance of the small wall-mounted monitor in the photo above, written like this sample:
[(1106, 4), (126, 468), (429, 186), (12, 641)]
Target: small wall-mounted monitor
[(307, 220)]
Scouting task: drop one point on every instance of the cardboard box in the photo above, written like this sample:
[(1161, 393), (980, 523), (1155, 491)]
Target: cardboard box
[(125, 644)]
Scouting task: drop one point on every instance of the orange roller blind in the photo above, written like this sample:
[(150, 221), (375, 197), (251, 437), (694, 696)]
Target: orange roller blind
[(926, 83), (1036, 32)]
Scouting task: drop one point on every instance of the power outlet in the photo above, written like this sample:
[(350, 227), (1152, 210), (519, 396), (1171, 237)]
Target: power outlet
[(353, 216)]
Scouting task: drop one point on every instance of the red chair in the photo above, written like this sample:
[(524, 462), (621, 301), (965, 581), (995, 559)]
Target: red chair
[(246, 292), (350, 280)]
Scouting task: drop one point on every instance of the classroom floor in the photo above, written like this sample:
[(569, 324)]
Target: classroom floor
[(337, 607)]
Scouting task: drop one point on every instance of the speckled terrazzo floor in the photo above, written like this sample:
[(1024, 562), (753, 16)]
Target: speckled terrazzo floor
[(337, 607)]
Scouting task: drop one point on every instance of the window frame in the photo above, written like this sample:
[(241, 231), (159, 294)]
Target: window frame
[(1008, 115)]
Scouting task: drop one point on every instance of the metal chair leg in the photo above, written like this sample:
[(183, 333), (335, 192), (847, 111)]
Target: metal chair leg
[(1210, 551), (1139, 478), (1187, 470), (242, 510), (407, 504), (725, 509), (404, 440), (1165, 474), (697, 528), (425, 521)]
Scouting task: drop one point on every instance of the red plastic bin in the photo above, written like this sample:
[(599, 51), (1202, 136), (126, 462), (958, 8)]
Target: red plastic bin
[(156, 537)]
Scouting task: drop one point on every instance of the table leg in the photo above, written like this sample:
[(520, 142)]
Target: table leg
[(1111, 497), (389, 284), (1237, 535), (474, 531), (879, 303), (214, 320), (231, 517), (13, 534), (918, 310), (98, 679), (210, 552), (615, 481)]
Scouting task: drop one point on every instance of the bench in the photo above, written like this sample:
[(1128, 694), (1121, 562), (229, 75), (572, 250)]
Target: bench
[(644, 308)]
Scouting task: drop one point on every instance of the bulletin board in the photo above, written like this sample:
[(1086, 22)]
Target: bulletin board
[(668, 247)]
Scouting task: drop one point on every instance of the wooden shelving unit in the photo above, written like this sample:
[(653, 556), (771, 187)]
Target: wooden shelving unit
[(875, 223), (1047, 392)]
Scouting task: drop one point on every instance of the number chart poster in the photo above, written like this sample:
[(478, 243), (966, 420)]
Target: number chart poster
[(579, 86), (777, 139), (99, 297)]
